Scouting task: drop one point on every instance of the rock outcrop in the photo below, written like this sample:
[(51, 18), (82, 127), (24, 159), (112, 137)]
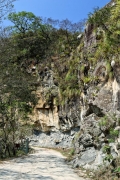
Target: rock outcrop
[(86, 122)]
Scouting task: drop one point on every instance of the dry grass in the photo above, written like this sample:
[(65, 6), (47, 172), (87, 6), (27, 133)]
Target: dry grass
[(67, 152), (111, 172)]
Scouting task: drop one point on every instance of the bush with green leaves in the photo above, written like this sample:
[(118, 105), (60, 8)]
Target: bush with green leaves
[(114, 133), (106, 149), (12, 112)]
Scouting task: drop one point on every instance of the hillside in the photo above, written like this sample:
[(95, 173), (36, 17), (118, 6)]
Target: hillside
[(63, 84)]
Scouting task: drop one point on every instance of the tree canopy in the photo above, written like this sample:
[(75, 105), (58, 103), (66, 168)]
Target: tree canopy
[(24, 21)]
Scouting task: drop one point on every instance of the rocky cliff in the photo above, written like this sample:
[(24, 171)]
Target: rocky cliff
[(79, 99)]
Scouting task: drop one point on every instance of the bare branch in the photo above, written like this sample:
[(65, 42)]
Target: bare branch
[(5, 7)]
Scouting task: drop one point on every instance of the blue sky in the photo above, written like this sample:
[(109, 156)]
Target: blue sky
[(74, 10)]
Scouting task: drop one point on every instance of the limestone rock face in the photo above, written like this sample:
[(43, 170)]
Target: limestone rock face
[(88, 157), (47, 115), (108, 96), (91, 125), (95, 112), (90, 37), (53, 139), (100, 106), (102, 114)]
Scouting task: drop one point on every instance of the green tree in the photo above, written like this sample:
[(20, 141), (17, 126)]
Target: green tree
[(30, 36), (12, 111), (16, 87), (24, 21)]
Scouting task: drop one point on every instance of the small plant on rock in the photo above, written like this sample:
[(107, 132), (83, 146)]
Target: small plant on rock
[(106, 149), (114, 133)]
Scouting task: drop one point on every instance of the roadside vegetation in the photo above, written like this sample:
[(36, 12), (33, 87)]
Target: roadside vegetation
[(32, 44)]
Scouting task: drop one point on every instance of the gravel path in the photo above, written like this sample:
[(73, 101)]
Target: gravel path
[(44, 164)]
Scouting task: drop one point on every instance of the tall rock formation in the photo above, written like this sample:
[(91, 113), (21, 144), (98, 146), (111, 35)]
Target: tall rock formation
[(80, 107)]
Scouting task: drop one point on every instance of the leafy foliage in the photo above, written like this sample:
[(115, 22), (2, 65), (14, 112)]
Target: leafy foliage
[(24, 21), (16, 99)]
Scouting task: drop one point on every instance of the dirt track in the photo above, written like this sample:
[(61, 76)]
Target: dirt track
[(44, 164)]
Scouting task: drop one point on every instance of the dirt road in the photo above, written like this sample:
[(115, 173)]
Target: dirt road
[(44, 164)]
